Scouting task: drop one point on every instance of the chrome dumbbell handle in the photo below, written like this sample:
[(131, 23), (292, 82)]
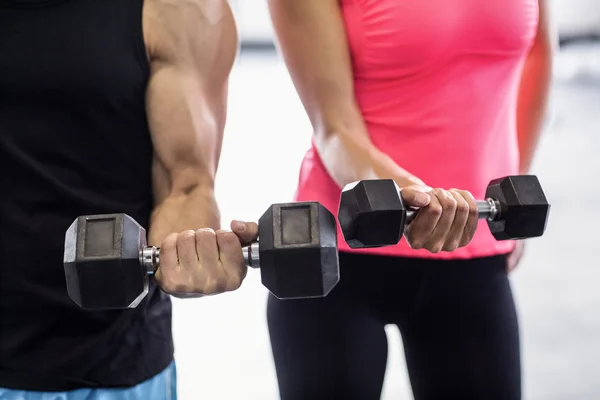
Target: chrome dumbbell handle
[(251, 255)]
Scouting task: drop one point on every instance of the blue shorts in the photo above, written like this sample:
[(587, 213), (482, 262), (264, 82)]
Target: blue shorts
[(162, 387)]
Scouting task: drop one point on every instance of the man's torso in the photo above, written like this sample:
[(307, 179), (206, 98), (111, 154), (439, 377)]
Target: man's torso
[(73, 141)]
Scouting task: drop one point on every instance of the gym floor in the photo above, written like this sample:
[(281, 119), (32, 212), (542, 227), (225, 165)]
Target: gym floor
[(222, 345)]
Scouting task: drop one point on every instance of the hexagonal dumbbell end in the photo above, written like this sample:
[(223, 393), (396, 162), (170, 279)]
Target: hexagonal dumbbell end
[(102, 262), (371, 213), (524, 208), (298, 250)]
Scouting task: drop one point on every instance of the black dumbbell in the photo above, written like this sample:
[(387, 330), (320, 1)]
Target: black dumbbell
[(107, 260), (372, 214)]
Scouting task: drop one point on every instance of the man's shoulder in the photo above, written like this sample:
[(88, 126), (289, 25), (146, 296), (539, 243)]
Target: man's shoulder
[(176, 26)]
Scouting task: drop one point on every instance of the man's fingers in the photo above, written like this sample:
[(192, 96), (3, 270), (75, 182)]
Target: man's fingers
[(207, 250), (168, 255), (232, 260), (247, 232), (186, 249)]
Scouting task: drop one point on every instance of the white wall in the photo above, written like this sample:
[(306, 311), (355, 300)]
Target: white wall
[(576, 17), (253, 20)]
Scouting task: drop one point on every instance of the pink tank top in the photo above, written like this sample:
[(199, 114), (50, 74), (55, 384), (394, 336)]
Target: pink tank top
[(437, 83)]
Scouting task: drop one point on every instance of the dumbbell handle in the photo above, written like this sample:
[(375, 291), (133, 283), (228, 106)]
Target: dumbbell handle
[(150, 257), (488, 209)]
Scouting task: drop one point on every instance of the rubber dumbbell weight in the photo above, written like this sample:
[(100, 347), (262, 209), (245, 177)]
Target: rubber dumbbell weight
[(107, 261), (372, 214)]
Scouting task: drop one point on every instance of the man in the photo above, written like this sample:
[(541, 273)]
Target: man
[(113, 106)]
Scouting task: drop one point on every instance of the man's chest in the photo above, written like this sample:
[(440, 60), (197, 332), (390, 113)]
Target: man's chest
[(76, 51)]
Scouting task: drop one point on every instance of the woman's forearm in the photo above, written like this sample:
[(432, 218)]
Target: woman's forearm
[(313, 43), (343, 143), (345, 158), (349, 155)]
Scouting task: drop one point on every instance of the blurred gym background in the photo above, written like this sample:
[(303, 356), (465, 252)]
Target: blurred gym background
[(222, 344)]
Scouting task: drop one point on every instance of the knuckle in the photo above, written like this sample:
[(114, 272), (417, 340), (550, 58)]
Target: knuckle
[(467, 195), (434, 248), (185, 237), (465, 240), (436, 209), (205, 233), (171, 286), (213, 285), (227, 237), (171, 238), (221, 284), (169, 243), (439, 192), (473, 212), (451, 246), (449, 203), (462, 207), (415, 244), (235, 282)]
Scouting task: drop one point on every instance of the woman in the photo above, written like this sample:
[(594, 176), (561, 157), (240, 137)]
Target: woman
[(433, 94)]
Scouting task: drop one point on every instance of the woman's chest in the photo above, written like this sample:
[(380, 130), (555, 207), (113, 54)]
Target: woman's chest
[(407, 33)]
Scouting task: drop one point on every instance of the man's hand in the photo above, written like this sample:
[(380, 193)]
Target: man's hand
[(204, 262), (447, 219)]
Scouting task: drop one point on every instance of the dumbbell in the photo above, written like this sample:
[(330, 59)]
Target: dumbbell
[(372, 214), (107, 261)]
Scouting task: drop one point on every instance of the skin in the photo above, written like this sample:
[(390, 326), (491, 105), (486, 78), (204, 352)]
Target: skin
[(534, 92), (191, 47), (313, 43)]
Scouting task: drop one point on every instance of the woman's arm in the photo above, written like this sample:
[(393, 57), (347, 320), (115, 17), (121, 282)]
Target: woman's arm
[(313, 43), (535, 88)]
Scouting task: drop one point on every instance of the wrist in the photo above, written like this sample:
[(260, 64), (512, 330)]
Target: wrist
[(195, 210)]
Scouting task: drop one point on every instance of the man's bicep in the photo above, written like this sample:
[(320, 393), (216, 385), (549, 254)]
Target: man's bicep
[(187, 94), (186, 128)]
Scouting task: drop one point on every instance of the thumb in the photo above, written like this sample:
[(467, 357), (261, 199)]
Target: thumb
[(415, 196), (246, 231)]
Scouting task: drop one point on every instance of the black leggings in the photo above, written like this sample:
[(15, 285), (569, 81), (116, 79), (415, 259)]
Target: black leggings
[(457, 319)]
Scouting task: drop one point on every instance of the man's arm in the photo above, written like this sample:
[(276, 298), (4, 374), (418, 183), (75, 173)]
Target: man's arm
[(535, 88), (192, 45)]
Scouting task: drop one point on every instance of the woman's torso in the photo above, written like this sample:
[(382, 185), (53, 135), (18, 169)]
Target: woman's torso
[(437, 84)]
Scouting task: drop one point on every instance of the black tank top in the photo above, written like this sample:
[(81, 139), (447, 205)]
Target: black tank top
[(74, 140)]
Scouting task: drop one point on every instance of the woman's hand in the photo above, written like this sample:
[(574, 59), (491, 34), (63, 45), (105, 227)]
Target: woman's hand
[(515, 256), (447, 219), (204, 262)]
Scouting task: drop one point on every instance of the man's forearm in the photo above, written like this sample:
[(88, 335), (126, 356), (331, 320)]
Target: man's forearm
[(533, 102), (194, 210)]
